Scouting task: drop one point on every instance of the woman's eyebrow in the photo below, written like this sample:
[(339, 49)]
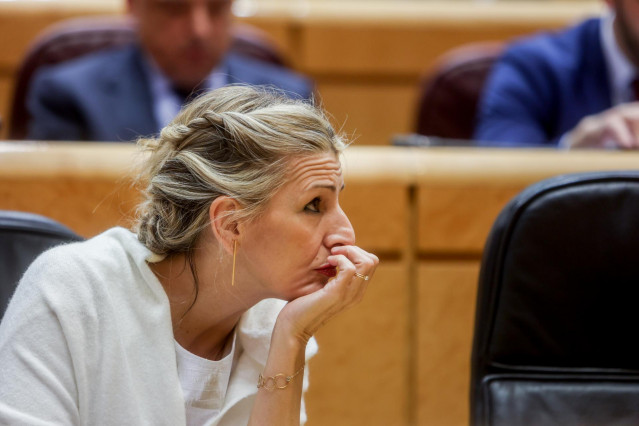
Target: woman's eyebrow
[(331, 187)]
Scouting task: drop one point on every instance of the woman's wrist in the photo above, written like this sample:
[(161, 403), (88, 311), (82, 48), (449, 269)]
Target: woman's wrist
[(286, 360), (278, 381), (290, 332), (286, 338)]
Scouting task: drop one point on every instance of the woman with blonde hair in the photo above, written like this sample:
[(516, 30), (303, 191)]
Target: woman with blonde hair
[(204, 315)]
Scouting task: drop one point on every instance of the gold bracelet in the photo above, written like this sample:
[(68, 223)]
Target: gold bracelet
[(279, 381)]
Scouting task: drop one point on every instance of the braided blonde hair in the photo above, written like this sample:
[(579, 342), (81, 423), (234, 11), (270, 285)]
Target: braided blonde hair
[(235, 141)]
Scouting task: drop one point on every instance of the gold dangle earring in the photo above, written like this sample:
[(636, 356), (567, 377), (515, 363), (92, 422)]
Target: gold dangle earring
[(234, 253)]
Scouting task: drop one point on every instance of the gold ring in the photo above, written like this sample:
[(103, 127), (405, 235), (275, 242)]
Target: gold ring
[(364, 277)]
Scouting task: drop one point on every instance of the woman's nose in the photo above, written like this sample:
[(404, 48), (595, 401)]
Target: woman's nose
[(341, 232)]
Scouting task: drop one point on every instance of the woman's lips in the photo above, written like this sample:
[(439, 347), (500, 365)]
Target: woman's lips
[(328, 270)]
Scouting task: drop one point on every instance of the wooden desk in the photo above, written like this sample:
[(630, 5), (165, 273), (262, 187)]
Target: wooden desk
[(401, 357), (366, 59), (88, 187)]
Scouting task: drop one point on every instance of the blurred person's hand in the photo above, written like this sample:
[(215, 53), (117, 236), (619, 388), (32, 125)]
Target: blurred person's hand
[(617, 127)]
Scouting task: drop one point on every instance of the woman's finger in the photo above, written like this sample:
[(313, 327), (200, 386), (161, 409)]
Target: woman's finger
[(359, 257), (365, 263), (346, 268), (354, 281)]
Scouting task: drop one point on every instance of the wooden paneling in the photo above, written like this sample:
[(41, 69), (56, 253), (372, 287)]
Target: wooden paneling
[(359, 377), (456, 220), (6, 89), (378, 214), (460, 192), (84, 186), (444, 329), (280, 31), (22, 21), (375, 48), (370, 112), (88, 206), (376, 197), (49, 178)]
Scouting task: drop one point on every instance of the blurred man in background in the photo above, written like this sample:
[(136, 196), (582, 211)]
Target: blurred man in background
[(120, 94), (576, 88)]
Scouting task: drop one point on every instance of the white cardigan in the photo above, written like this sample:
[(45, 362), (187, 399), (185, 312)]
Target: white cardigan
[(87, 340)]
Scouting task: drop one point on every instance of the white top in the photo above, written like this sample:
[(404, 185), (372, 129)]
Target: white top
[(204, 383), (87, 339)]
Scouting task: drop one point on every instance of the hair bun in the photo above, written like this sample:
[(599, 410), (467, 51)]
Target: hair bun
[(232, 141)]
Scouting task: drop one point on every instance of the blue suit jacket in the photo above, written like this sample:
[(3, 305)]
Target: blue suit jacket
[(106, 96), (543, 86)]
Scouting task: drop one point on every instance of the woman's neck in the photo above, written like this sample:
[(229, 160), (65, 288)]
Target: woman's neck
[(202, 324)]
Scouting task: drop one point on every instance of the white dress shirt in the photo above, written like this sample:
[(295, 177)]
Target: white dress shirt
[(621, 72), (166, 103)]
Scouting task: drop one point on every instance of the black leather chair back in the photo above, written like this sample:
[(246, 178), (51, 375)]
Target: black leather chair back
[(23, 236), (556, 339)]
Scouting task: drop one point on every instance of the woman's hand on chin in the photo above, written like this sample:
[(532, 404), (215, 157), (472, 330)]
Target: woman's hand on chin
[(302, 317)]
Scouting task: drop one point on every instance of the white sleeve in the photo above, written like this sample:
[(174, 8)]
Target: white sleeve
[(311, 350), (37, 383)]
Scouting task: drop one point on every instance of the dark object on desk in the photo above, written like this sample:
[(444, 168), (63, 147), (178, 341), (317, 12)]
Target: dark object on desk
[(415, 140), (76, 37), (556, 325), (23, 236), (449, 93)]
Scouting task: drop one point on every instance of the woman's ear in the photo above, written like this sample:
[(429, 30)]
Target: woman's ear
[(224, 223)]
